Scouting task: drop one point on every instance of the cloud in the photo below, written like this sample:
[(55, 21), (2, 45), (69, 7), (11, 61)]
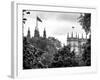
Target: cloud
[(72, 17), (56, 24)]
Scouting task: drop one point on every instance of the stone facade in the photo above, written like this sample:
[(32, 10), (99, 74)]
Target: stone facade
[(76, 43)]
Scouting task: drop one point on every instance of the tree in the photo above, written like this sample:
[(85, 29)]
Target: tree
[(64, 58), (87, 53), (31, 55), (85, 21)]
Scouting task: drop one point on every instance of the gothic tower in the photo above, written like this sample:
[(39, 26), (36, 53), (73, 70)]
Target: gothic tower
[(36, 32), (44, 33)]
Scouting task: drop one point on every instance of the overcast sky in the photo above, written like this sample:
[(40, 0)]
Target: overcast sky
[(57, 24)]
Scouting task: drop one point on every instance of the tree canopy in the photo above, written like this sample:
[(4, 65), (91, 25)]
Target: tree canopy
[(85, 21)]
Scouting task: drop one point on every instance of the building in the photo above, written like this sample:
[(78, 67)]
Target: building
[(76, 43), (37, 34)]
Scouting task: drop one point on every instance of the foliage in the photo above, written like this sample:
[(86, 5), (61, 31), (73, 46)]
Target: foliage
[(31, 56), (47, 56), (64, 58), (85, 21), (56, 42), (87, 53), (37, 53)]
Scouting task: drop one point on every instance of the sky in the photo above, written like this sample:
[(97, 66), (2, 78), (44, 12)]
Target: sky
[(57, 24)]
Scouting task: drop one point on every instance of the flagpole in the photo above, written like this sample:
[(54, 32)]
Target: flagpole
[(37, 19), (36, 22), (72, 30)]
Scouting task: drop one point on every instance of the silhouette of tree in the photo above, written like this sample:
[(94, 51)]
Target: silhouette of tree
[(85, 21)]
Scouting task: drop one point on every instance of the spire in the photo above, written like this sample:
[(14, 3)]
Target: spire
[(67, 35), (28, 33), (73, 30), (72, 35), (76, 34), (36, 27), (44, 33), (36, 32)]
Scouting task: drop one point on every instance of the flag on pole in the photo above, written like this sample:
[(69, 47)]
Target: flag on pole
[(38, 19)]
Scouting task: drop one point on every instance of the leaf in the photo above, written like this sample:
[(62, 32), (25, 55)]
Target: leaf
[(24, 10), (28, 12)]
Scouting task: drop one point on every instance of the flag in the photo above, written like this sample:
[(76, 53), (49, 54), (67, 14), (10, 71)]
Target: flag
[(39, 19)]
